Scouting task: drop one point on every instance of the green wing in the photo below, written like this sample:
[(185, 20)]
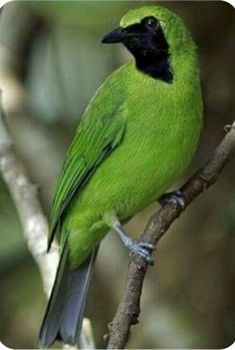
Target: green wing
[(100, 131)]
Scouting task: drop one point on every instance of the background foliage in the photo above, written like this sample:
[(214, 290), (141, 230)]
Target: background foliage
[(51, 62)]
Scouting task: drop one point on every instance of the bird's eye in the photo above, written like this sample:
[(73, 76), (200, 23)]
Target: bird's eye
[(151, 23)]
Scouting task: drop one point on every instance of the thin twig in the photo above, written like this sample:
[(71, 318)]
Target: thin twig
[(25, 196), (129, 307), (34, 222)]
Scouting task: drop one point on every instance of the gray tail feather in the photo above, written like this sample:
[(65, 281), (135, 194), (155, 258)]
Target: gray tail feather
[(66, 306)]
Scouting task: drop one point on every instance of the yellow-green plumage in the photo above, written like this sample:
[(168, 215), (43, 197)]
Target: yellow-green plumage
[(154, 127), (135, 139)]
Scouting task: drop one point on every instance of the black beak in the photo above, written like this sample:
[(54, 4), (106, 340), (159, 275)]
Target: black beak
[(115, 36)]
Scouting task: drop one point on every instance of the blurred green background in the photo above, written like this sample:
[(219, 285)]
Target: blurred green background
[(51, 62)]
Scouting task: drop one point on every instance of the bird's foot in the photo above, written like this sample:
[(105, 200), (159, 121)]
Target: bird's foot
[(175, 198), (143, 249)]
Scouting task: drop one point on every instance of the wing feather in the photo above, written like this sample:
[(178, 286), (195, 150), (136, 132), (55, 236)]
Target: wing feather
[(100, 131)]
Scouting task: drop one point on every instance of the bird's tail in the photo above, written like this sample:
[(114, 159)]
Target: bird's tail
[(65, 309)]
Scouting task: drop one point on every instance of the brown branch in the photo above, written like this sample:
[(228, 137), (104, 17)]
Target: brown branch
[(129, 308)]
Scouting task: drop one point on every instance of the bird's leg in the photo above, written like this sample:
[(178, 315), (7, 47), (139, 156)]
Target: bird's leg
[(144, 249), (174, 198)]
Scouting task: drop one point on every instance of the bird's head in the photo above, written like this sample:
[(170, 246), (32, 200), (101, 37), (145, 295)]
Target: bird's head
[(153, 34)]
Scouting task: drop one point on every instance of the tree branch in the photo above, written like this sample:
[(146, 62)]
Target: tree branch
[(129, 308), (34, 222), (25, 197)]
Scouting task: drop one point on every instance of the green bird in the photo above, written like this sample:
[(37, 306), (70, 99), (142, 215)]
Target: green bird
[(135, 138)]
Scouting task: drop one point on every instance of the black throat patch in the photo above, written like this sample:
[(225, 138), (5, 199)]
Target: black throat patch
[(150, 49)]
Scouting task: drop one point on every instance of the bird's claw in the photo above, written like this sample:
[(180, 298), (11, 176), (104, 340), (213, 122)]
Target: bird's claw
[(146, 245), (175, 198), (143, 249)]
